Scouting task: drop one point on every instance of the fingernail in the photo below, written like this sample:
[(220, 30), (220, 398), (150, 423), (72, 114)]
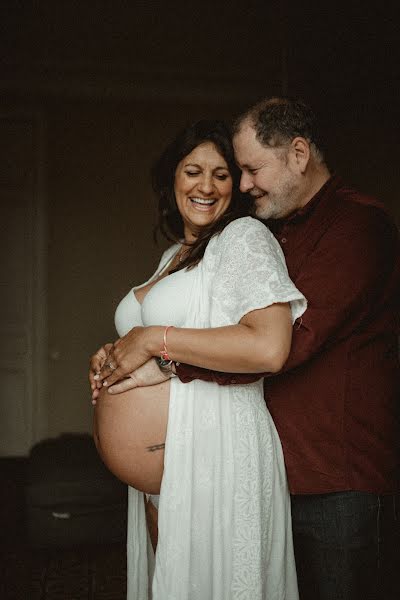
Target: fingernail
[(110, 390), (96, 377), (94, 402), (105, 383)]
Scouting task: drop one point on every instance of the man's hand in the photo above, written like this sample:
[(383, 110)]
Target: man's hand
[(146, 375)]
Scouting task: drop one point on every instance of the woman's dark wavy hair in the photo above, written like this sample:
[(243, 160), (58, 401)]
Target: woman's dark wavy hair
[(170, 222)]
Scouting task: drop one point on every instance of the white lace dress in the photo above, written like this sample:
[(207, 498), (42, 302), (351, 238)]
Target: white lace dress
[(224, 512)]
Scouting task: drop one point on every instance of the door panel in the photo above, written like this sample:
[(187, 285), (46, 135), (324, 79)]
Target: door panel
[(21, 266)]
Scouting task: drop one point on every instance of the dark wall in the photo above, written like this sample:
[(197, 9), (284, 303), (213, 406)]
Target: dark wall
[(112, 82), (345, 61)]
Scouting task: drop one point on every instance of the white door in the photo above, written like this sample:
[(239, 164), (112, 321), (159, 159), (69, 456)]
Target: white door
[(22, 287)]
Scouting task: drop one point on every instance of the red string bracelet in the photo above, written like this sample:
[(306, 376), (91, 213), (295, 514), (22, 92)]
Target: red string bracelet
[(164, 352)]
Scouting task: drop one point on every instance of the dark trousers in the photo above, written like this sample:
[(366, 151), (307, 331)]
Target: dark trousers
[(347, 546)]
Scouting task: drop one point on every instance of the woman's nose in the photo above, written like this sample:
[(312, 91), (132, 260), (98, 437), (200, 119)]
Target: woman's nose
[(206, 185)]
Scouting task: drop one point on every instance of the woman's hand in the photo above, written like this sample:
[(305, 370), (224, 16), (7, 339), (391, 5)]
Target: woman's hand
[(128, 354), (96, 363)]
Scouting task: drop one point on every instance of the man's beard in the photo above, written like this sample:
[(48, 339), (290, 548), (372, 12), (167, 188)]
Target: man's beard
[(279, 203)]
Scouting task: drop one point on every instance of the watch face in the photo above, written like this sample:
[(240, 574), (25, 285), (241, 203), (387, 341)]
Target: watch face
[(164, 363)]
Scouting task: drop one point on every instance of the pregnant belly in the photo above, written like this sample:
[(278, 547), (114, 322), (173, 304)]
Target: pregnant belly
[(130, 430)]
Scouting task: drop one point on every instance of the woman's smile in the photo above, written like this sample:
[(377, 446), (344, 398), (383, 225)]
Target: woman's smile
[(203, 203)]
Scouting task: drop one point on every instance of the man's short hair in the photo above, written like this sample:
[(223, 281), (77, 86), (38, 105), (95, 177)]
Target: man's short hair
[(277, 121)]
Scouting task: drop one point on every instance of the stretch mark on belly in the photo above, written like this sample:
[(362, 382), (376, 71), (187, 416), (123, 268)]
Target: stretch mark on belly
[(155, 447)]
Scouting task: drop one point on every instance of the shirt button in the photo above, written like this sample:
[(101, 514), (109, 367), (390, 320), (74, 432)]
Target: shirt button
[(283, 240)]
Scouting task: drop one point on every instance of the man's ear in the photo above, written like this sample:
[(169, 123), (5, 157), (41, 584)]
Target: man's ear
[(301, 152)]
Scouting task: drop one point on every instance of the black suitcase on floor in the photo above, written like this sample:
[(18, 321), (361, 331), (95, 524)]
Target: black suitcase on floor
[(71, 497)]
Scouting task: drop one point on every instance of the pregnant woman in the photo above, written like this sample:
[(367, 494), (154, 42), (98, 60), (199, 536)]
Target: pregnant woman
[(220, 298)]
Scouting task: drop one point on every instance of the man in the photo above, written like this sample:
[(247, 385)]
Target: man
[(335, 403)]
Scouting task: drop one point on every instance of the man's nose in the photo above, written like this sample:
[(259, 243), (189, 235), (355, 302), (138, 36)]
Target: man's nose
[(246, 182)]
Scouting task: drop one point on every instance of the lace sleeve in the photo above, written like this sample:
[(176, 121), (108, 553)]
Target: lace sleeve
[(249, 272)]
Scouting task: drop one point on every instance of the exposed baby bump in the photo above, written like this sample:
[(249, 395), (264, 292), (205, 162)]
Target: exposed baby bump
[(130, 430)]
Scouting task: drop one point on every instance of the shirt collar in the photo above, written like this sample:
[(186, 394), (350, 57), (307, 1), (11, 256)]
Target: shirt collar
[(323, 195)]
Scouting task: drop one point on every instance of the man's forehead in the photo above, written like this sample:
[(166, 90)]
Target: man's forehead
[(246, 131), (248, 148)]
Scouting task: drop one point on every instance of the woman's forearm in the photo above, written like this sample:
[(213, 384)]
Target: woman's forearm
[(260, 343)]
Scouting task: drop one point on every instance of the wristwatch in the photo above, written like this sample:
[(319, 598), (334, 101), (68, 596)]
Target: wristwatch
[(166, 366)]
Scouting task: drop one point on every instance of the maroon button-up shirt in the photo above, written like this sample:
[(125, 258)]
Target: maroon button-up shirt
[(336, 402)]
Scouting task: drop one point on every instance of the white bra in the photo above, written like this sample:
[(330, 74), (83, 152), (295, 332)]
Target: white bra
[(164, 304)]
